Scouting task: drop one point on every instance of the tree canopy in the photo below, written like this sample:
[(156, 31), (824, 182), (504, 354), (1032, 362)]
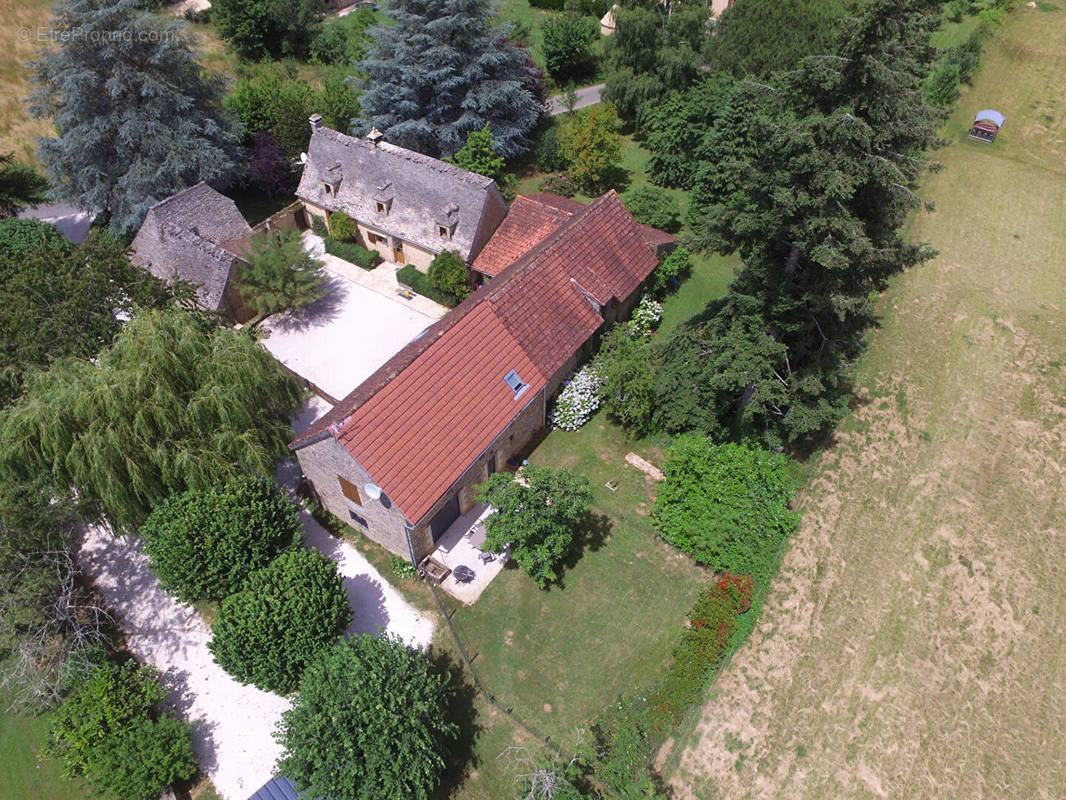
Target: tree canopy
[(592, 145), (568, 40), (538, 517), (50, 619), (810, 183), (760, 37), (60, 300), (726, 505), (449, 274), (274, 28), (370, 722), (20, 185), (651, 54), (283, 616), (443, 70), (280, 275), (202, 544), (136, 118), (479, 155), (174, 403), (108, 730), (267, 97)]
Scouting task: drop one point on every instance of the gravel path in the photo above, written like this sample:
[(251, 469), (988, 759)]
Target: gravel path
[(234, 724)]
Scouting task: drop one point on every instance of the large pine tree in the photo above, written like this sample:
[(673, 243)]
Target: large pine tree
[(810, 182), (136, 118), (442, 71)]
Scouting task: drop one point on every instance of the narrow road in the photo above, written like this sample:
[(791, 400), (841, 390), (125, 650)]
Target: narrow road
[(589, 96)]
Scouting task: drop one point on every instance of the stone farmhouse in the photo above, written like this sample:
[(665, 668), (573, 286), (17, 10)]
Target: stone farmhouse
[(196, 235), (399, 458), (409, 207)]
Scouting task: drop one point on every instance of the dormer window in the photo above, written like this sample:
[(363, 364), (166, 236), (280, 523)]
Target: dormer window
[(382, 198), (443, 233), (329, 188), (515, 383)]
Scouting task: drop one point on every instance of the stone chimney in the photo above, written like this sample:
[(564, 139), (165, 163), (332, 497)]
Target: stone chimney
[(373, 138), (316, 122)]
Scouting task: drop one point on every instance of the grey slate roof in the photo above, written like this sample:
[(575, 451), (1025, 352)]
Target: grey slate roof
[(420, 192), (186, 236), (280, 788)]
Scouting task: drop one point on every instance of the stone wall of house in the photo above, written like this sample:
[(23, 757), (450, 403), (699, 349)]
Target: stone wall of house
[(507, 444), (324, 463), (413, 254)]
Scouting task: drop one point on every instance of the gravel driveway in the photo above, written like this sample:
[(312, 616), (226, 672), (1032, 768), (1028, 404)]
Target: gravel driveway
[(234, 724)]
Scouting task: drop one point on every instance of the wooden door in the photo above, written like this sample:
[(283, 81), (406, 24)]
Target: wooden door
[(397, 253)]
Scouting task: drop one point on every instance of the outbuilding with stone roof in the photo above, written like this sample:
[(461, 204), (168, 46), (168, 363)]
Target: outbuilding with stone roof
[(196, 235)]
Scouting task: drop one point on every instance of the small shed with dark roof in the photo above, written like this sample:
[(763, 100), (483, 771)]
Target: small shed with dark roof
[(408, 206), (196, 235)]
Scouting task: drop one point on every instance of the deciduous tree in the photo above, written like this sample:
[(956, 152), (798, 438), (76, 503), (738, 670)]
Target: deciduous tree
[(174, 403), (726, 505), (653, 206), (369, 723), (109, 731), (50, 620), (760, 37), (479, 155), (449, 274), (268, 98), (443, 70), (537, 517), (568, 40), (652, 53), (202, 545), (269, 28), (60, 300), (284, 615), (136, 118), (592, 144)]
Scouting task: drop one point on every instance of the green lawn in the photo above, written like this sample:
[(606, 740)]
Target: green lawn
[(560, 656), (528, 21), (23, 776)]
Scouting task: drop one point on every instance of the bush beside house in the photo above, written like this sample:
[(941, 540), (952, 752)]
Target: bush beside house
[(202, 544), (280, 620)]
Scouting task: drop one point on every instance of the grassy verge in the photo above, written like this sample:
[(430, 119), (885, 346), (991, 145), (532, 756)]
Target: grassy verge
[(561, 656), (24, 776), (919, 599)]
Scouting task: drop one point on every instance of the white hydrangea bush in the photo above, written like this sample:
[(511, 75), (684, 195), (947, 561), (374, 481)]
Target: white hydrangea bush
[(646, 317), (578, 399)]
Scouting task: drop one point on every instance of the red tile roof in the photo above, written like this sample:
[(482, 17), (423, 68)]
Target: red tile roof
[(429, 412), (532, 218), (528, 223)]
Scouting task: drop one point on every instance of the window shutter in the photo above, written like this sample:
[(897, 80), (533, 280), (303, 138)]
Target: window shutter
[(350, 490)]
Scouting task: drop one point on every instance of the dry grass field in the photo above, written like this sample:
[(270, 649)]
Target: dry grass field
[(18, 43), (914, 645)]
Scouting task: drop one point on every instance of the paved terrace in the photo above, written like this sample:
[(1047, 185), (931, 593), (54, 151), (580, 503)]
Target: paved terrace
[(339, 341)]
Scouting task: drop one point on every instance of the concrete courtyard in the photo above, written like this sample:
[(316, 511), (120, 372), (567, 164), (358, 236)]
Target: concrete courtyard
[(339, 341)]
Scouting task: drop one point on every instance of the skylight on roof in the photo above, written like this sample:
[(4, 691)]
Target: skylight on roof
[(515, 383)]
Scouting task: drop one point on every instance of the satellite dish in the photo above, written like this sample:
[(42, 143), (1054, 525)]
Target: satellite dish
[(303, 158), (373, 491)]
